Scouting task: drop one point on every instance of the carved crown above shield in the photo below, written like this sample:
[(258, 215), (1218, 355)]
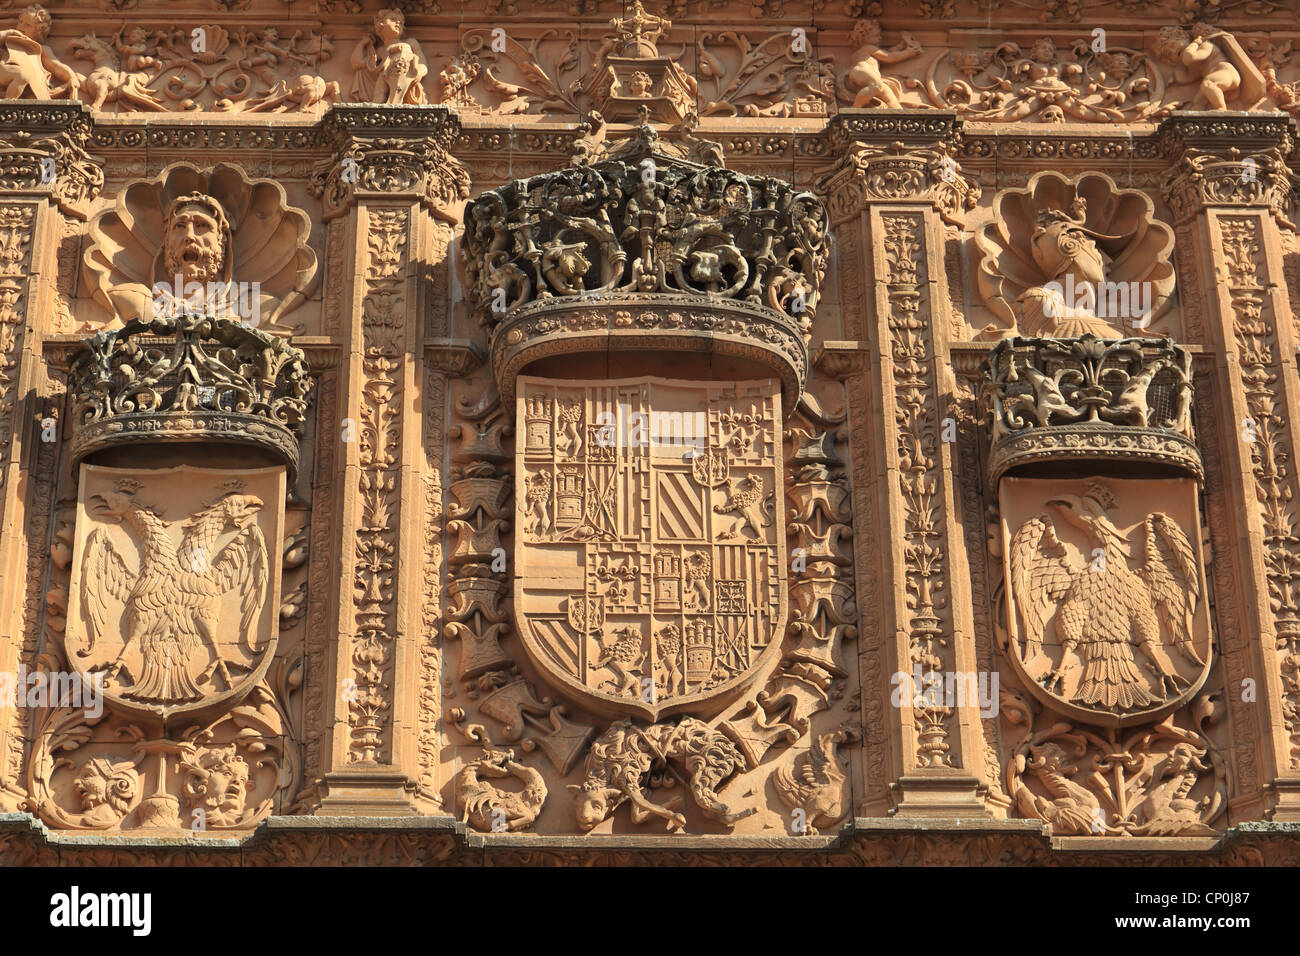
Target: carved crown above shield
[(647, 251), (258, 242), (188, 378)]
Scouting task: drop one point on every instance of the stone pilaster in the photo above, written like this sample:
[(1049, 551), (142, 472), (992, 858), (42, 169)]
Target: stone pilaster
[(45, 175), (396, 188), (1227, 188), (896, 186)]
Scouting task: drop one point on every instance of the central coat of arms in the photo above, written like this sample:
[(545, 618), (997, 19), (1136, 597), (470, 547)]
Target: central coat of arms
[(650, 549)]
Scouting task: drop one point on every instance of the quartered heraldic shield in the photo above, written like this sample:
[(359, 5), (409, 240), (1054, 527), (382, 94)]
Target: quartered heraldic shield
[(650, 547)]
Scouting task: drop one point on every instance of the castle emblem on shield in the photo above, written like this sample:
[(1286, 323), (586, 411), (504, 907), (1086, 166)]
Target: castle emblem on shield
[(650, 548)]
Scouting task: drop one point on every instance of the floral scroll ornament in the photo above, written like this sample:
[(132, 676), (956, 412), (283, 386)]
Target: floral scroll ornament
[(214, 227)]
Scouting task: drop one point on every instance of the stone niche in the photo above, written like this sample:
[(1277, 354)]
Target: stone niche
[(184, 433), (649, 577)]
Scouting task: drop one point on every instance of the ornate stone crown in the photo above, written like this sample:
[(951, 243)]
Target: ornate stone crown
[(1088, 399), (188, 378), (647, 251)]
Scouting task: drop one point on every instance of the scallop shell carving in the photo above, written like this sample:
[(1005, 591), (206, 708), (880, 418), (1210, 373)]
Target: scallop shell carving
[(269, 242)]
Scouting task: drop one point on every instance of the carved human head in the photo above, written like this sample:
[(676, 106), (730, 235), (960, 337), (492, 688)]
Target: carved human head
[(219, 783), (197, 240), (107, 780), (35, 22), (390, 24), (1171, 42)]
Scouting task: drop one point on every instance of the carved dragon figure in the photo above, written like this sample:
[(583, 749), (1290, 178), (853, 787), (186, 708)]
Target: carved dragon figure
[(488, 808)]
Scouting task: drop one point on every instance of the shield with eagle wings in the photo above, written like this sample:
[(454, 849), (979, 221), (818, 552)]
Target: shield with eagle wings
[(175, 583), (1106, 601), (650, 547)]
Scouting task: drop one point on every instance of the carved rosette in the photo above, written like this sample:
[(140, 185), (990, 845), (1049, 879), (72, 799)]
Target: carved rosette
[(647, 251), (191, 378), (1100, 401)]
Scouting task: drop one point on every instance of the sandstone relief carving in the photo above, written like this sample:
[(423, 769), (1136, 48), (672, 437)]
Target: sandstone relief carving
[(864, 82), (212, 240), (817, 784), (1068, 257), (622, 764), (1166, 779), (650, 563), (1211, 58), (139, 69), (628, 73), (1090, 399), (388, 65), (175, 608), (492, 809), (1105, 595), (1012, 84), (763, 76), (30, 69), (109, 772)]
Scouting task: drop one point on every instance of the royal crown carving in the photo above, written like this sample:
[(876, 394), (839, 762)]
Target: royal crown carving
[(1090, 399), (647, 250), (188, 378)]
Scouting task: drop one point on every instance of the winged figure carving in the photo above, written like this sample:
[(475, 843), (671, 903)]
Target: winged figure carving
[(173, 600), (1108, 611)]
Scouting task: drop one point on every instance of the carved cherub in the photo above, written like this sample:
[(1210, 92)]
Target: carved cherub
[(865, 83), (303, 93), (127, 88), (29, 69), (391, 70), (1214, 59)]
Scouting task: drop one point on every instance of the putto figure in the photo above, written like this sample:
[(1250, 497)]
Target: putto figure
[(1214, 59), (865, 83), (389, 69), (29, 70)]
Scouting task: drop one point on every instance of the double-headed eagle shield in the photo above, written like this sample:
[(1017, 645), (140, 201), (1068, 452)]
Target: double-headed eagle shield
[(650, 546), (175, 583)]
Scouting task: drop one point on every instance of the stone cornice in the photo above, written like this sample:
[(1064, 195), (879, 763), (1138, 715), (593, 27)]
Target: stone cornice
[(411, 841)]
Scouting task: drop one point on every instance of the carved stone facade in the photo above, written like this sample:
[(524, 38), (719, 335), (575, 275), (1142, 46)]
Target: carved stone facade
[(649, 432)]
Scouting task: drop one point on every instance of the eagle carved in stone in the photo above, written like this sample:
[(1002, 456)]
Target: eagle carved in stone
[(173, 601), (1113, 616)]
